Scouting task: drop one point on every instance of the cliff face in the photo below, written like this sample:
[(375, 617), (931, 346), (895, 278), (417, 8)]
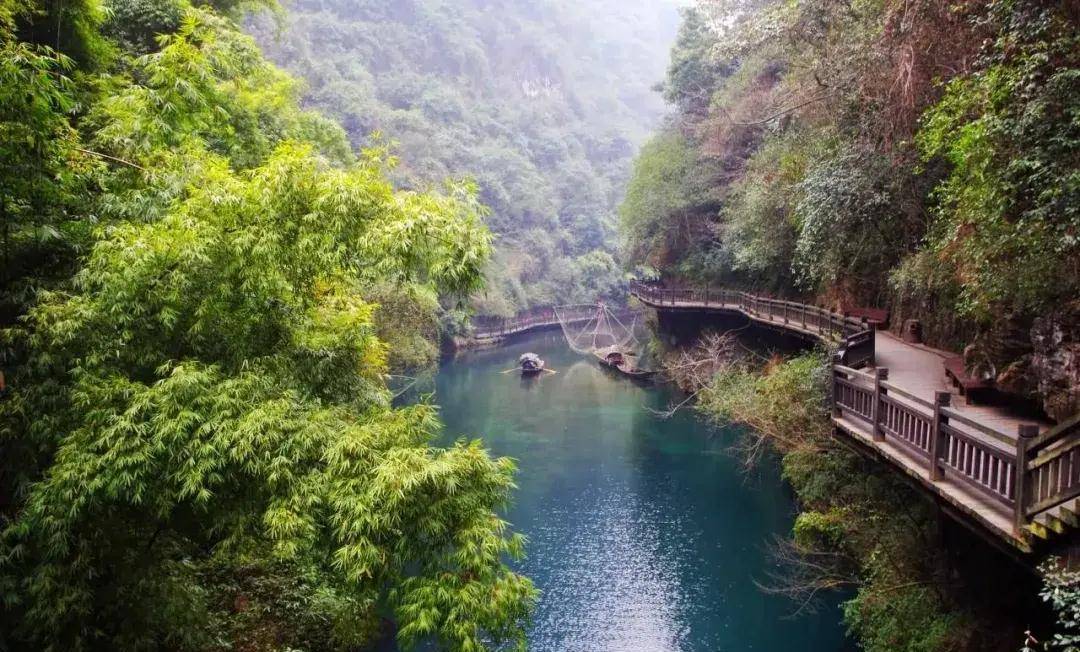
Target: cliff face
[(914, 156), (1055, 361)]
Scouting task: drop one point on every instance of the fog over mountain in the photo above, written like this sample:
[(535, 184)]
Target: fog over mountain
[(543, 102)]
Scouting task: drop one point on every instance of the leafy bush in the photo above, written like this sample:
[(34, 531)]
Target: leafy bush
[(1061, 590), (1008, 214), (759, 221), (667, 199), (785, 406)]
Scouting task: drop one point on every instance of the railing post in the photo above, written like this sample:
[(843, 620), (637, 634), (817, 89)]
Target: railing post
[(1025, 433), (706, 294), (880, 376), (837, 413), (941, 400)]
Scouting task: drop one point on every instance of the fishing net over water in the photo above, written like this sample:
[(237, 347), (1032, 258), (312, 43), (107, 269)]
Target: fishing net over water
[(592, 328)]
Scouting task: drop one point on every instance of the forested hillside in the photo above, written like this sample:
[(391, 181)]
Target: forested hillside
[(198, 449), (920, 156), (542, 102), (917, 156)]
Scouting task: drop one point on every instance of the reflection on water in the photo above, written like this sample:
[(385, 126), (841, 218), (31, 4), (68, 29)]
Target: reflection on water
[(614, 584), (644, 535)]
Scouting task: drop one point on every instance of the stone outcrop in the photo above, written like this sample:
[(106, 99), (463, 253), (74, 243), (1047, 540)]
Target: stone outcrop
[(1055, 361)]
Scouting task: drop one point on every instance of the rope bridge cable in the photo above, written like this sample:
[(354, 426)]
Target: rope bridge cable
[(602, 330)]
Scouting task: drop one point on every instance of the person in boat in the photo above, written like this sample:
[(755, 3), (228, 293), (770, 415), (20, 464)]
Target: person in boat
[(530, 363), (615, 358)]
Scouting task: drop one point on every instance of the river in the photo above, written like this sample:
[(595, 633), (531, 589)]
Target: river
[(645, 534)]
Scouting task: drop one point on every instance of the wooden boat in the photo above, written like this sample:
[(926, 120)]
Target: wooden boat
[(622, 361), (531, 364)]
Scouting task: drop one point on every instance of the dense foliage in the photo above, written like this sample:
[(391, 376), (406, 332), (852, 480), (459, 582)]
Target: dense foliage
[(922, 156), (542, 102), (198, 449), (1061, 590)]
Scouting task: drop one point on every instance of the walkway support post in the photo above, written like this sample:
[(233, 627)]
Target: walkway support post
[(1025, 433), (837, 413), (880, 376), (937, 435)]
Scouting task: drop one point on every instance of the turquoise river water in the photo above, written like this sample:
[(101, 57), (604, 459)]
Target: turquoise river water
[(645, 534)]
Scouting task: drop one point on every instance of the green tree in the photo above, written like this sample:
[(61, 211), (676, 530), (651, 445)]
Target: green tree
[(213, 383), (667, 200), (40, 165), (694, 71), (204, 402), (542, 102)]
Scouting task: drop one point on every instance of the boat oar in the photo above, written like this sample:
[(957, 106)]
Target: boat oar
[(551, 371), (510, 369)]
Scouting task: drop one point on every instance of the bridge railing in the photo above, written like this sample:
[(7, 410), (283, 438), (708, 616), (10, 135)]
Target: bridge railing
[(1052, 467), (1027, 472), (484, 327), (855, 334), (821, 321)]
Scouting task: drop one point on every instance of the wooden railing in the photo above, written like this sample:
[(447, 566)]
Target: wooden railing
[(1027, 472), (1052, 467), (485, 327), (856, 335)]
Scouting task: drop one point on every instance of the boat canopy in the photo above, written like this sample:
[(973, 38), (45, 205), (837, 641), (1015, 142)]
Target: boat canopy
[(530, 361)]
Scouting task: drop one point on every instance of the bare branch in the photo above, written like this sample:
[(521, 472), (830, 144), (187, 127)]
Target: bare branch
[(111, 158)]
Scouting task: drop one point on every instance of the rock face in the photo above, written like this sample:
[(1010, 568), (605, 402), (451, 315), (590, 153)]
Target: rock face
[(1018, 379), (1055, 361)]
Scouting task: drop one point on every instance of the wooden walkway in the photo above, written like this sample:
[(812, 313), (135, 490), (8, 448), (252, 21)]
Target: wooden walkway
[(920, 370), (1013, 478), (494, 329)]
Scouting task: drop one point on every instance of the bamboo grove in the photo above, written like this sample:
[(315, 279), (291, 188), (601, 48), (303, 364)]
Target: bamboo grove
[(195, 413)]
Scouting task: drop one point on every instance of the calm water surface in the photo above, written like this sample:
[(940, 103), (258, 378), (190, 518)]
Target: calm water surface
[(644, 533)]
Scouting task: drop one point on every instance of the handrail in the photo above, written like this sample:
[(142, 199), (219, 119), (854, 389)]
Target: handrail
[(790, 312), (1056, 433), (489, 326), (830, 327), (907, 395), (853, 372), (954, 415), (1027, 471), (1051, 460), (951, 445), (1028, 474)]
